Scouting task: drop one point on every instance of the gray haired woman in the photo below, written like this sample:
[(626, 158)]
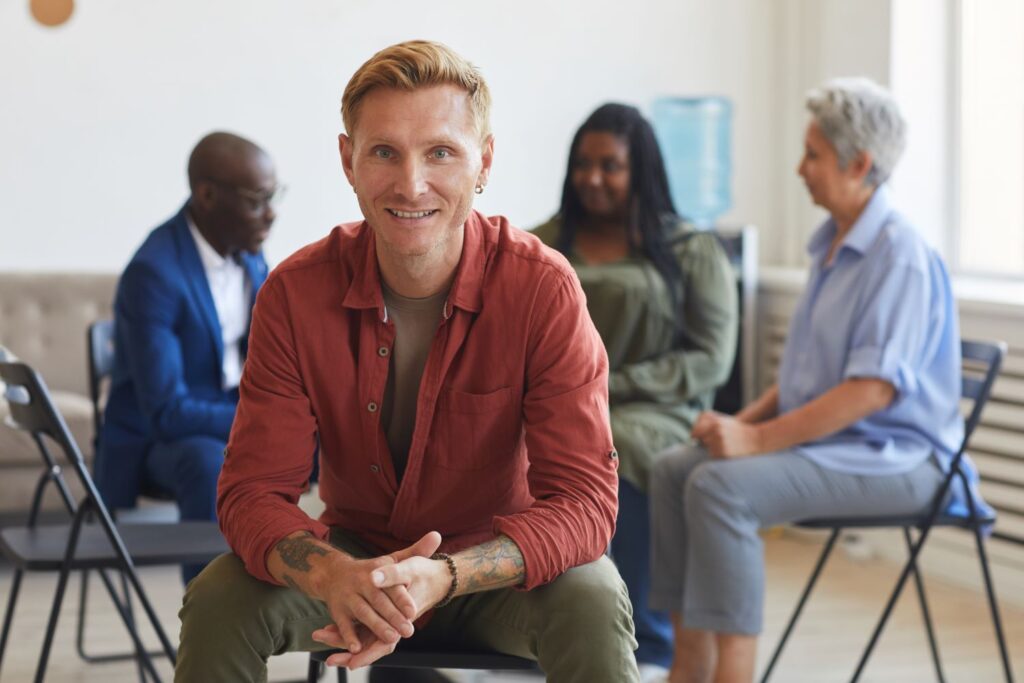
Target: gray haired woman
[(864, 416)]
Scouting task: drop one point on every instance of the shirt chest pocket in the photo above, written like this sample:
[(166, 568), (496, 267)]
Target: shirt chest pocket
[(475, 431)]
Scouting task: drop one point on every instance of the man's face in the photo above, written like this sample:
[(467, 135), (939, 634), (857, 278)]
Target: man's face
[(240, 203), (414, 159)]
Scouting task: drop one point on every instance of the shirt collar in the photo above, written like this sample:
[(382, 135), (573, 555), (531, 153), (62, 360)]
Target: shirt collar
[(864, 231), (466, 291), (209, 257)]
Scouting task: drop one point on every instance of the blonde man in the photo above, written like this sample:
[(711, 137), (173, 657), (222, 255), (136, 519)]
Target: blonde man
[(423, 350)]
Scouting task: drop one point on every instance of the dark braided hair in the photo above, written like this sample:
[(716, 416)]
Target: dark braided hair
[(650, 202)]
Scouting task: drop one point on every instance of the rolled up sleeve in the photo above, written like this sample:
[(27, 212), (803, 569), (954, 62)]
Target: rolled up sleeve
[(269, 457), (888, 337), (573, 465)]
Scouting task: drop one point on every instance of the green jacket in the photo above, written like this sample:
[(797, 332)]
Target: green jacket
[(662, 374)]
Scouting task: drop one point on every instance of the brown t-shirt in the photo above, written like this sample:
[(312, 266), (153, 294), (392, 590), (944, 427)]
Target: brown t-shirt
[(415, 322)]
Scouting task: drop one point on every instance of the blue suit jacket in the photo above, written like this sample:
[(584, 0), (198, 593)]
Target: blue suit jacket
[(168, 354)]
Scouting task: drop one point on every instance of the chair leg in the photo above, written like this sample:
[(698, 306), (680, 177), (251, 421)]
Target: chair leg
[(800, 605), (147, 606), (139, 653), (58, 598), (993, 605), (9, 613), (81, 627), (83, 598), (910, 566), (925, 612), (144, 656), (51, 624)]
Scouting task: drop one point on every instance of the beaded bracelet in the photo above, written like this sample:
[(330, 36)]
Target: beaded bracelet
[(455, 578)]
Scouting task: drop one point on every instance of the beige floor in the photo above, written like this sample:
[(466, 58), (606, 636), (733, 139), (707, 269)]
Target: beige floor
[(824, 648)]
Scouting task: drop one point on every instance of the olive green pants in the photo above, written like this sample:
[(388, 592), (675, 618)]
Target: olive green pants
[(578, 628)]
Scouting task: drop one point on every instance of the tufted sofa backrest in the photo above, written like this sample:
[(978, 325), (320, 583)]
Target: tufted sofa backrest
[(43, 319)]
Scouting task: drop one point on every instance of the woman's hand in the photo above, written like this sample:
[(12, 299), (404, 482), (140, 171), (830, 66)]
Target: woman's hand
[(726, 437)]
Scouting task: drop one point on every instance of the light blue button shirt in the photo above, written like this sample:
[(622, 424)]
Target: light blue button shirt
[(882, 308)]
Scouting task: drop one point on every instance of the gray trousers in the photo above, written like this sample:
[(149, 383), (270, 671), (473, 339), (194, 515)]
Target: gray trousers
[(707, 559)]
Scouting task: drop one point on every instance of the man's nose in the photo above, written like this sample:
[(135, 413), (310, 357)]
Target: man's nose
[(411, 181)]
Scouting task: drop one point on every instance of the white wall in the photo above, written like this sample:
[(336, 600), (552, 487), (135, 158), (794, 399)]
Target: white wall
[(97, 117), (820, 39)]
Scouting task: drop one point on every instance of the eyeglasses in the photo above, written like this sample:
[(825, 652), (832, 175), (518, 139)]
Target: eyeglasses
[(255, 200)]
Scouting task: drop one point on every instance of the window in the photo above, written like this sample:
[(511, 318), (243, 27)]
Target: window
[(990, 239)]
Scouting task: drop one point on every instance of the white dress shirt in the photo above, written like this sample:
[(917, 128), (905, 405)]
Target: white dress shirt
[(231, 291)]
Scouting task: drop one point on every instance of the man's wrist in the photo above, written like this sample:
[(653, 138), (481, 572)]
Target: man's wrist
[(450, 572)]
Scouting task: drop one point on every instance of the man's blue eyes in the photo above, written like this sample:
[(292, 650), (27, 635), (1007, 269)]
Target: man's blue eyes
[(436, 154)]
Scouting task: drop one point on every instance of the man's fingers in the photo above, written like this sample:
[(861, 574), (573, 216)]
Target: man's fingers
[(347, 632), (390, 612), (391, 575), (401, 599), (330, 636), (425, 547), (339, 659), (377, 625), (370, 654)]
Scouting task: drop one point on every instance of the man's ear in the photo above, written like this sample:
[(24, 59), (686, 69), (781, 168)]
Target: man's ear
[(204, 196), (487, 158), (345, 150)]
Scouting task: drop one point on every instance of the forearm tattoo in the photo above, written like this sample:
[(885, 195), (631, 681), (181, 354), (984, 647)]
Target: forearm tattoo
[(295, 552), (495, 564)]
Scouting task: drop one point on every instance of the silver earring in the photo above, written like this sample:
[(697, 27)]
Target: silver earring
[(479, 189)]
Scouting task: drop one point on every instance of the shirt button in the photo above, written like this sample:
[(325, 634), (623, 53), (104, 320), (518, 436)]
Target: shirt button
[(372, 407), (375, 468), (613, 455), (383, 351)]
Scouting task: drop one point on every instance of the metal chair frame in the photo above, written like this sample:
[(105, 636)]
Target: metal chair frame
[(83, 544), (100, 357), (990, 356), (411, 658)]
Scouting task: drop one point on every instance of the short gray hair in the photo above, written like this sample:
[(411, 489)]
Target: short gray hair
[(858, 115)]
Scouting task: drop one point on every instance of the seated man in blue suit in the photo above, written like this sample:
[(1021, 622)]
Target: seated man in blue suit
[(181, 315)]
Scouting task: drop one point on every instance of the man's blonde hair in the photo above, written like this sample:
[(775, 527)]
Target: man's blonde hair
[(418, 64)]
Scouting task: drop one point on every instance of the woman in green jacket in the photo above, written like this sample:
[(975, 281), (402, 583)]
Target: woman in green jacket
[(663, 298)]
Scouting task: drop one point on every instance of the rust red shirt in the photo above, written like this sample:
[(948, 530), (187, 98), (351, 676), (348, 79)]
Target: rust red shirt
[(511, 435)]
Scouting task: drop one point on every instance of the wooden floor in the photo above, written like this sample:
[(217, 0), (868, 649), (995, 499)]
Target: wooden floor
[(824, 648)]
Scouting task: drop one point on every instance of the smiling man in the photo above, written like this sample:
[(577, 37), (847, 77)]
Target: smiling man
[(444, 365), (181, 316)]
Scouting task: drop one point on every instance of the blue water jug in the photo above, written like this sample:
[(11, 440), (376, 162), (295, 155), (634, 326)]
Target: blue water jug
[(696, 141)]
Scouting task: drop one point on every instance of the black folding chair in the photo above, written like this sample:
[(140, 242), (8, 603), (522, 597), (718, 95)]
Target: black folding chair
[(83, 544), (982, 361), (100, 363), (413, 658)]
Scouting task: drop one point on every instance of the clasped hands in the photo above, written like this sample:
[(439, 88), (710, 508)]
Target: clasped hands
[(374, 602), (725, 436)]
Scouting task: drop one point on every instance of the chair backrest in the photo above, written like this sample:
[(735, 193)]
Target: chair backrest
[(32, 410), (100, 345), (740, 246), (981, 363)]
